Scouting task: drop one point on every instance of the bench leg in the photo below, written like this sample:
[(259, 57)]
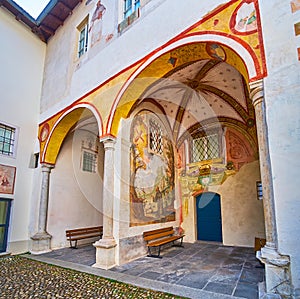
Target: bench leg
[(178, 245), (75, 246), (154, 255)]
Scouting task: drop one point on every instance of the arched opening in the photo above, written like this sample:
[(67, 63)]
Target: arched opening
[(205, 101), (75, 197)]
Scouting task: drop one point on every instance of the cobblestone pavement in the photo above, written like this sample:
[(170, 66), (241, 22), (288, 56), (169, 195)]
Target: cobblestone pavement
[(25, 278)]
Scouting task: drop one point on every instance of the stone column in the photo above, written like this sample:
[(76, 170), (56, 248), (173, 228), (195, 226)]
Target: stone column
[(41, 240), (257, 97), (105, 247), (277, 277)]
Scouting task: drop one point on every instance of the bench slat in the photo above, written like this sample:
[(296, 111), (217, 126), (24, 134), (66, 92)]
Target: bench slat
[(83, 233), (157, 238), (160, 235), (157, 231), (84, 230), (83, 237), (164, 241)]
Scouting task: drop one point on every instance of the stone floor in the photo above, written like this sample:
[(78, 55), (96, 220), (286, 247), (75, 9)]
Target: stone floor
[(231, 271)]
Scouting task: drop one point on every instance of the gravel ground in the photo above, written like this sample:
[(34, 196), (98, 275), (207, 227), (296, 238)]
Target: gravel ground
[(24, 278)]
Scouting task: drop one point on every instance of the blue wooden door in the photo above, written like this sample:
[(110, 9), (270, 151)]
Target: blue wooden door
[(4, 222), (209, 222)]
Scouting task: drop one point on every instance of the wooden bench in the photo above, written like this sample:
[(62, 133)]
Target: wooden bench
[(159, 237), (73, 235)]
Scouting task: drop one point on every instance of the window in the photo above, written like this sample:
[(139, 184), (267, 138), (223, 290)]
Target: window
[(89, 161), (205, 148), (130, 6), (7, 140), (156, 137), (128, 13), (83, 37)]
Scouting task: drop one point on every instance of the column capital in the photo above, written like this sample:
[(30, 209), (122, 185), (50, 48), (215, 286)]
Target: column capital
[(109, 142), (256, 92), (47, 167)]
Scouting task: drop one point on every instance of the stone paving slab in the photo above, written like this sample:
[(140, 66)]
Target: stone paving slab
[(199, 270), (176, 290)]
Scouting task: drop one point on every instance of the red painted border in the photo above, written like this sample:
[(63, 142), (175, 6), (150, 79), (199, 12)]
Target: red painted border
[(173, 40)]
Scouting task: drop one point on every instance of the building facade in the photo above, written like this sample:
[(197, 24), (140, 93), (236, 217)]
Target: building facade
[(162, 113), (23, 53)]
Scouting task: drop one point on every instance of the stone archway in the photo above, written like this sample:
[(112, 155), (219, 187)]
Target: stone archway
[(62, 136)]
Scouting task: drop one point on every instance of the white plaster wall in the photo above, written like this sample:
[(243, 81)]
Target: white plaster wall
[(75, 198), (68, 78), (21, 73), (282, 92), (242, 214)]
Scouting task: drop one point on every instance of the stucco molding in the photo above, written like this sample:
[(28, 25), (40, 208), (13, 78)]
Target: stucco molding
[(256, 92)]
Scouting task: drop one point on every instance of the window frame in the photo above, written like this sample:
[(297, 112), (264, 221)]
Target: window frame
[(15, 140), (129, 9), (206, 134), (83, 26), (94, 163)]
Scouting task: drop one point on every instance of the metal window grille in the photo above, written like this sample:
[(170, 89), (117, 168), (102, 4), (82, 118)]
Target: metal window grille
[(89, 162), (156, 137), (83, 40), (206, 148), (7, 140)]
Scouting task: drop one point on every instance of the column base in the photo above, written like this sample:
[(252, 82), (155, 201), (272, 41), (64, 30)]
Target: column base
[(278, 280), (105, 253), (264, 295), (41, 243)]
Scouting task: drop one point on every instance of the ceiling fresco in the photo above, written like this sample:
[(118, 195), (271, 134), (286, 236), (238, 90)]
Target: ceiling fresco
[(202, 90)]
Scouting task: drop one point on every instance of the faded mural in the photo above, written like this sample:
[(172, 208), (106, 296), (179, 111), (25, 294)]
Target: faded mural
[(244, 19), (100, 33), (152, 172), (96, 23)]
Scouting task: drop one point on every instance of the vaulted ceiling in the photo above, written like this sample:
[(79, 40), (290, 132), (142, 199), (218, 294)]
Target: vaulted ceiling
[(202, 92)]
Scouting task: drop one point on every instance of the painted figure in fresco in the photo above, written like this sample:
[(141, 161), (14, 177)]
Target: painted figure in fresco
[(159, 201), (247, 23), (151, 179), (96, 23), (216, 52), (4, 181), (246, 20)]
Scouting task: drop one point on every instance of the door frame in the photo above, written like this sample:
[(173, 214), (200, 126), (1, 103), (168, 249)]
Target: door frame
[(6, 224), (196, 214)]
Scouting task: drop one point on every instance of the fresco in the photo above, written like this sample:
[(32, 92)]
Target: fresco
[(152, 174), (220, 22), (216, 51), (244, 20), (7, 179), (96, 23), (295, 5), (297, 28), (200, 176)]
